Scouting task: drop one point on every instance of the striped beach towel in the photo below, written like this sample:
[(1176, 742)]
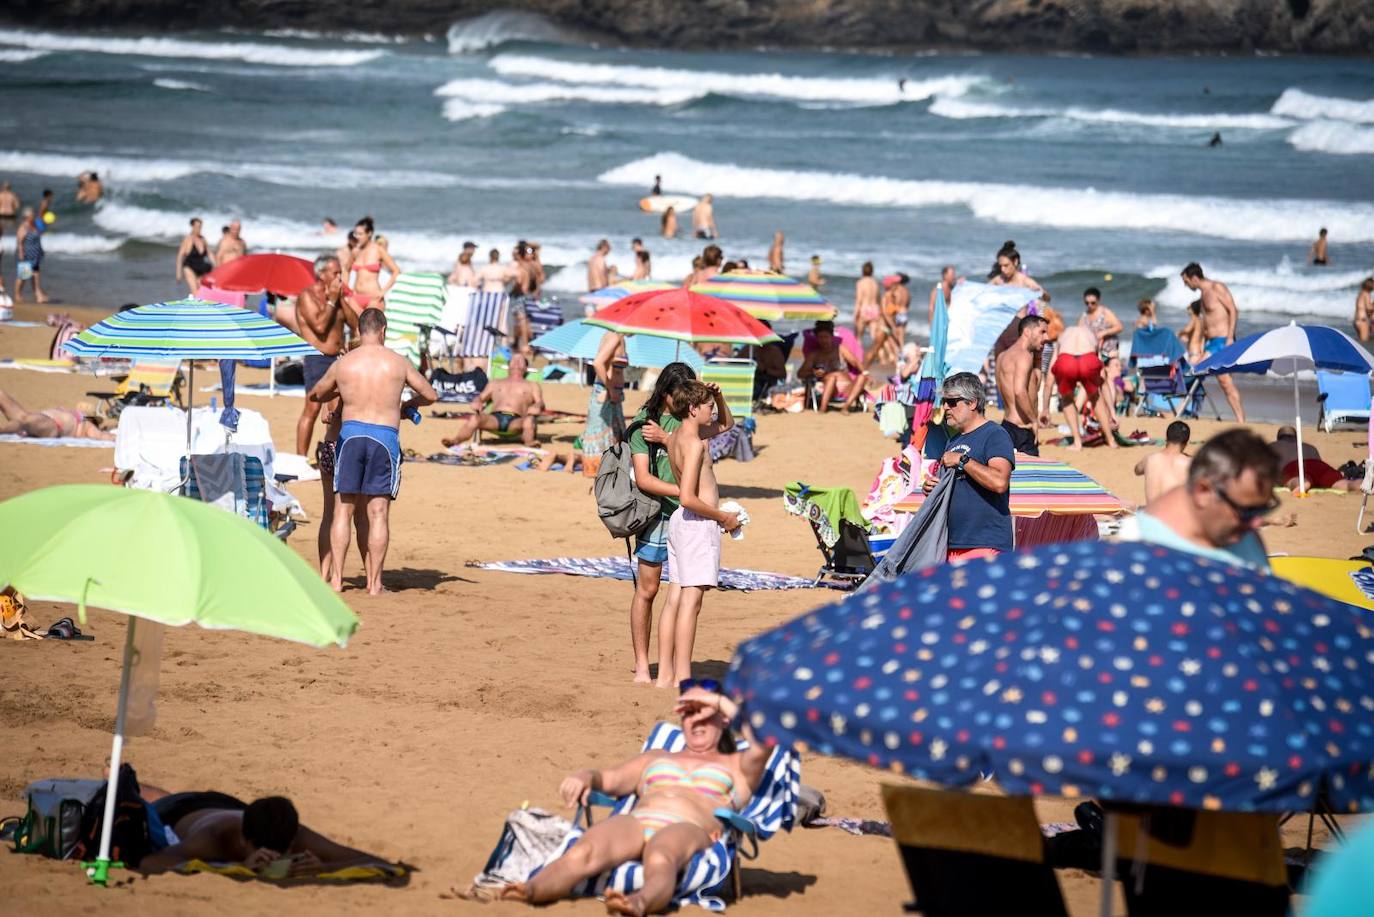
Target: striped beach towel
[(772, 808), (415, 299)]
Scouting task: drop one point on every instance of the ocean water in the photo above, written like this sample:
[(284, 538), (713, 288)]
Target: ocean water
[(505, 129)]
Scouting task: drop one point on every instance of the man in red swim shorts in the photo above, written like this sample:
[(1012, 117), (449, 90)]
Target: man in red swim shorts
[(1317, 472), (1076, 363)]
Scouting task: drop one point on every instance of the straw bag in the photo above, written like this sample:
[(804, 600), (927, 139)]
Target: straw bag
[(13, 615)]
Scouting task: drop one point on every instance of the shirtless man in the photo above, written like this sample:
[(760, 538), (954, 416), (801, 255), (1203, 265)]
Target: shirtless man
[(1018, 383), (1009, 273), (813, 276), (88, 188), (600, 274), (369, 381), (493, 277), (1076, 363), (231, 245), (1167, 468), (867, 312), (50, 423), (694, 529), (942, 291), (219, 828), (527, 273), (9, 203), (704, 219), (1219, 315), (775, 257), (515, 403), (1316, 256), (320, 319), (1364, 309)]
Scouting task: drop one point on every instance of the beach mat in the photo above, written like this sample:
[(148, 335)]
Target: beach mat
[(69, 441), (262, 388), (619, 568), (59, 366), (388, 873), (481, 456)]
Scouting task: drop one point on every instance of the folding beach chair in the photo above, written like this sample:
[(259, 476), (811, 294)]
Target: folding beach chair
[(1342, 398), (485, 328), (414, 305), (972, 855), (544, 316), (773, 807), (844, 545), (736, 380), (1178, 861), (149, 383), (233, 481)]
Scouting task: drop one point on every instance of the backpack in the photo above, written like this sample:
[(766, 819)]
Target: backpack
[(624, 509)]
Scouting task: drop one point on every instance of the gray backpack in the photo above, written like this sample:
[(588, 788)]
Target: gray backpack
[(624, 509)]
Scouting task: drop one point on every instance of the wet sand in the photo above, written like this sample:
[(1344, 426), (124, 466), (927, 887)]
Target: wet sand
[(467, 692)]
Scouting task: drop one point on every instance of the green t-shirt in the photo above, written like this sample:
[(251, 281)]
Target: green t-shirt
[(663, 468)]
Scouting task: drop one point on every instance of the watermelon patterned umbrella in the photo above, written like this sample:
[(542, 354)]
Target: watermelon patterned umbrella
[(769, 296), (683, 316)]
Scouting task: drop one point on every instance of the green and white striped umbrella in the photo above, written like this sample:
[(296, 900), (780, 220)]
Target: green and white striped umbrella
[(190, 329)]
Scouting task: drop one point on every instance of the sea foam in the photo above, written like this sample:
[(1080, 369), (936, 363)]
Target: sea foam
[(1068, 208), (964, 109), (868, 90), (499, 93), (251, 52), (1281, 291), (181, 85), (495, 29), (1336, 137), (1294, 103)]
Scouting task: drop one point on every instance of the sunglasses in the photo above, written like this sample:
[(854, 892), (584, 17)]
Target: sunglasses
[(1248, 514), (951, 402), (706, 684), (1089, 302)]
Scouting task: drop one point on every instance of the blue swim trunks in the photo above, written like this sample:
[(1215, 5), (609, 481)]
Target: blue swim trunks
[(651, 545), (1213, 345), (367, 460)]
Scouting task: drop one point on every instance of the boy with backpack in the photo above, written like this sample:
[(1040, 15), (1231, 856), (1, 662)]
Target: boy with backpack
[(694, 529)]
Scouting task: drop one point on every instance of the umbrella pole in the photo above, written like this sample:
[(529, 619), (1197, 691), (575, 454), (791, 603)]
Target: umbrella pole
[(272, 377), (1108, 864), (190, 410), (1297, 423), (99, 870)]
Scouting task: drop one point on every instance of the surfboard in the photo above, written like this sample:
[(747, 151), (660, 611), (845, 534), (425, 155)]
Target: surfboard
[(657, 203)]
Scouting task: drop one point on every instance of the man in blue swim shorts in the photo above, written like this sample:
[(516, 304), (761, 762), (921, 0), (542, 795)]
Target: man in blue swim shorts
[(1219, 316), (369, 382)]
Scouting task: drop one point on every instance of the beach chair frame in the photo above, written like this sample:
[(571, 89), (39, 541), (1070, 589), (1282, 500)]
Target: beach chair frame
[(250, 497), (1327, 416), (843, 565), (773, 807), (131, 391)]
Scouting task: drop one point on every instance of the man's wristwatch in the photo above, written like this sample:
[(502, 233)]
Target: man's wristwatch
[(963, 460)]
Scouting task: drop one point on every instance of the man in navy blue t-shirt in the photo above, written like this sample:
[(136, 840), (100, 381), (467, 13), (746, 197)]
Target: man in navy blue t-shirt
[(980, 452)]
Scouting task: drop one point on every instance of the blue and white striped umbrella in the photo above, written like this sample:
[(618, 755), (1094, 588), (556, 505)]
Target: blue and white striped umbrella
[(1286, 351), (580, 340), (192, 329)]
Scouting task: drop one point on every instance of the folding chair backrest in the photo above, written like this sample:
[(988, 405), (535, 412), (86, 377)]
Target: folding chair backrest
[(972, 855), (485, 326), (250, 491), (1344, 397), (544, 315), (414, 300), (736, 380), (156, 376), (1159, 375), (1176, 861)]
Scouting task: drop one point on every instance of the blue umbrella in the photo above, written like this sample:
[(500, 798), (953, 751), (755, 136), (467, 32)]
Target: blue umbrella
[(1287, 350), (580, 340), (1125, 672)]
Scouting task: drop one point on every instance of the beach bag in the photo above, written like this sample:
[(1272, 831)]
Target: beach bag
[(130, 835), (529, 839), (57, 809), (459, 388), (14, 616), (623, 508)]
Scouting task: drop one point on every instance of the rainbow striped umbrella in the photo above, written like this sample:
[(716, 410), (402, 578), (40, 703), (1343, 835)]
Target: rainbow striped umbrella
[(607, 295), (768, 296), (1045, 486), (189, 329)]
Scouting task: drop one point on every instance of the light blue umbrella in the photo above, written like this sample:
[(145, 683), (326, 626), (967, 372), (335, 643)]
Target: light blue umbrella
[(581, 341)]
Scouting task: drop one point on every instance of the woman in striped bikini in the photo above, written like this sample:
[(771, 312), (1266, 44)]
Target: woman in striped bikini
[(673, 818)]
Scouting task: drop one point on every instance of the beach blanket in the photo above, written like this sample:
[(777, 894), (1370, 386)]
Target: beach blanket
[(619, 568), (261, 388), (736, 443), (978, 313), (69, 441), (387, 872), (14, 324), (480, 456), (59, 366)]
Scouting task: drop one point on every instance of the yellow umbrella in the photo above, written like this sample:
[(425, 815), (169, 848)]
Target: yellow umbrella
[(1327, 575)]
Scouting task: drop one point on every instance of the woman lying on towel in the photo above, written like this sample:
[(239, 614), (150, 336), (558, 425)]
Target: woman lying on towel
[(672, 820), (51, 423)]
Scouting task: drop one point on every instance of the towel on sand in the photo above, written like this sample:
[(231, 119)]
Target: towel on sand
[(382, 872), (619, 568), (71, 441)]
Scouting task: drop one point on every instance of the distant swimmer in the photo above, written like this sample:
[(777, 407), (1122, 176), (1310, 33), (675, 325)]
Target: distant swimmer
[(1316, 256), (600, 274), (658, 185), (1216, 139), (1364, 309), (88, 188), (775, 256), (668, 225), (814, 276), (901, 85), (704, 219), (328, 227)]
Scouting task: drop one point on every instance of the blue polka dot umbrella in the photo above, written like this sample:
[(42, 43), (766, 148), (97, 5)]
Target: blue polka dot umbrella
[(1124, 672)]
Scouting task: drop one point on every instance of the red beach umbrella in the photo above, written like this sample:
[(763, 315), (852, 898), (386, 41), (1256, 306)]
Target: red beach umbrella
[(283, 275), (683, 316)]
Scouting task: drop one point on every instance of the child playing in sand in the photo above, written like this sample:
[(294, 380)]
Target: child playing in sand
[(693, 530)]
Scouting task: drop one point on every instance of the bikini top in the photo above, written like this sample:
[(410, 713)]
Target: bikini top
[(374, 268), (710, 780)]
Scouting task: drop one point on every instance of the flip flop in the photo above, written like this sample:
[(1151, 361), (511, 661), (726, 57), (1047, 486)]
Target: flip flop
[(65, 629)]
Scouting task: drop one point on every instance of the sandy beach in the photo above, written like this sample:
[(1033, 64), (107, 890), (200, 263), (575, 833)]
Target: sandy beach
[(466, 692)]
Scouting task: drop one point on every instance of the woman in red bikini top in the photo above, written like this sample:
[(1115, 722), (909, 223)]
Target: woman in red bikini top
[(366, 260), (674, 816)]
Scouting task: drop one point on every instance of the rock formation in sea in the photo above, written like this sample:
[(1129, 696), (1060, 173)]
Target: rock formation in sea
[(1332, 26)]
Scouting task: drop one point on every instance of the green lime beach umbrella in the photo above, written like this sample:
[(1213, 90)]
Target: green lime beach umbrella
[(163, 558)]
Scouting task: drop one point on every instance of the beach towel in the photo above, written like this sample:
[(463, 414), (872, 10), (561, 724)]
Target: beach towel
[(978, 313), (826, 507), (261, 388), (57, 366), (925, 540), (619, 568), (736, 443), (387, 872), (68, 441)]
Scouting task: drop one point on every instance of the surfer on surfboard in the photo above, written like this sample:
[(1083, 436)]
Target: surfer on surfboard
[(658, 186)]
